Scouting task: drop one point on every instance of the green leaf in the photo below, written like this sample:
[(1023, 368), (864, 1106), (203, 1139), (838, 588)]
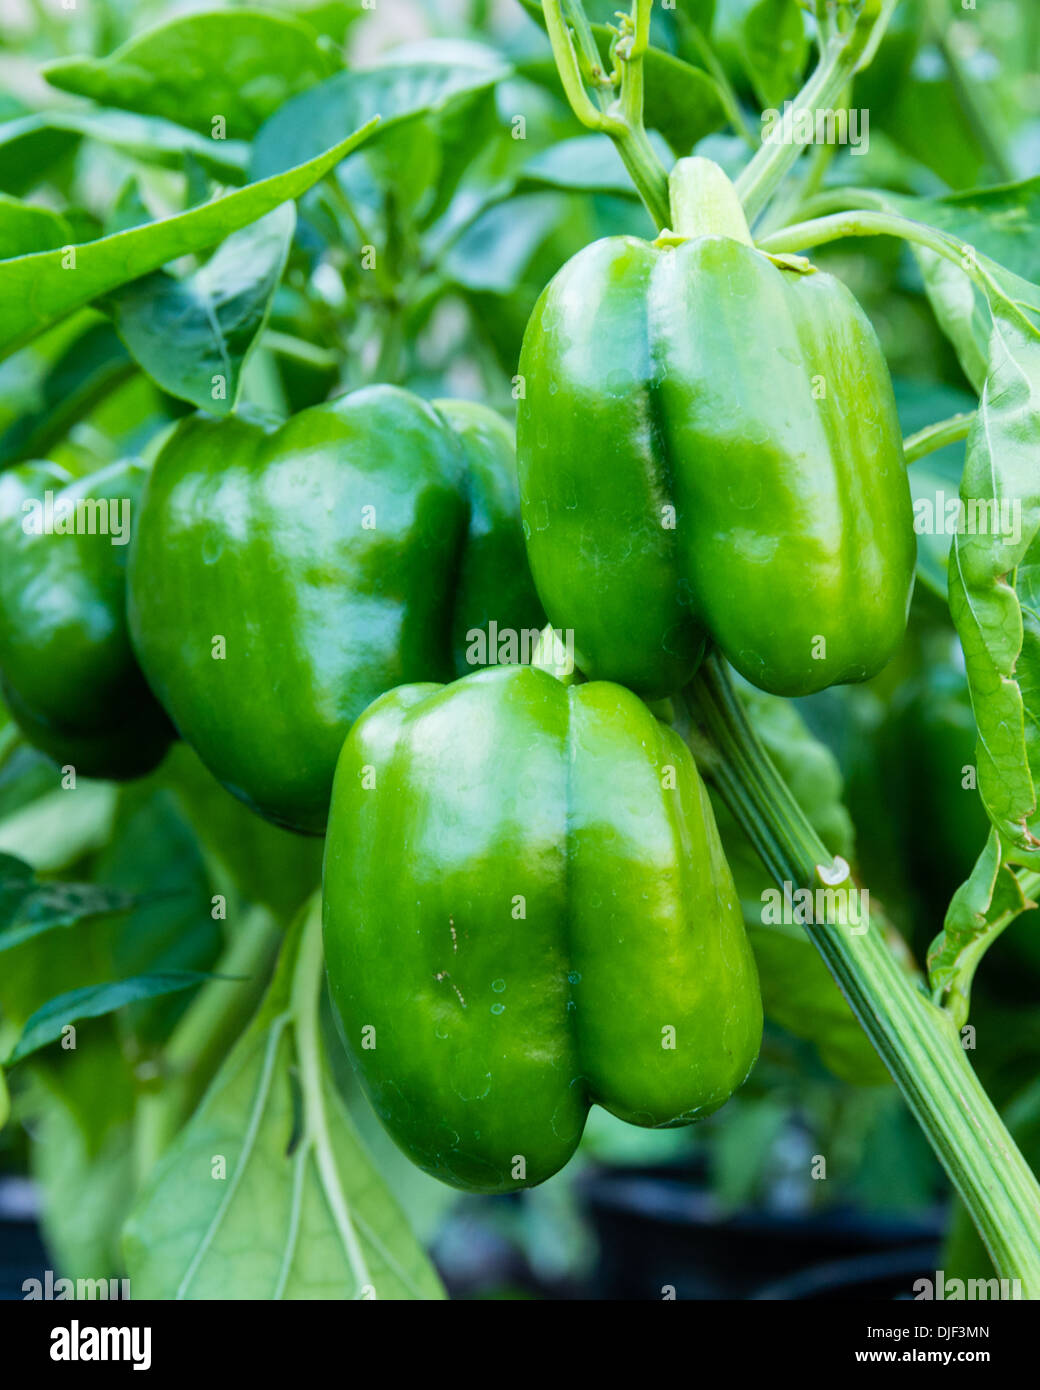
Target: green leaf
[(25, 228), (774, 48), (36, 291), (980, 910), (154, 858), (49, 1021), (296, 1208), (999, 222), (193, 335), (92, 366), (236, 65), (397, 89), (331, 18), (31, 146), (994, 581)]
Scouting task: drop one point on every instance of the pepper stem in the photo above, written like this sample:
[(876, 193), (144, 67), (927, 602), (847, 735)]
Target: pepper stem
[(704, 202), (917, 1041)]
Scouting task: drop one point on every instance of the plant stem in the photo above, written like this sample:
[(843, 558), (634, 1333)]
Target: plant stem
[(932, 437), (308, 985), (916, 1040), (646, 171), (800, 236), (840, 55), (621, 116)]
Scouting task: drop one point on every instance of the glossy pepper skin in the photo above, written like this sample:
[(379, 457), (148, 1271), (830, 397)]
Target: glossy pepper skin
[(524, 894), (709, 449), (67, 669), (339, 554)]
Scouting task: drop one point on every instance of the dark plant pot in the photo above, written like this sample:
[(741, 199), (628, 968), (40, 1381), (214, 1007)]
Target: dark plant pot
[(22, 1253), (658, 1230)]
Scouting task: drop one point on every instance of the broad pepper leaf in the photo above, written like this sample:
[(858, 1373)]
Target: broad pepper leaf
[(773, 46), (237, 66), (994, 580), (297, 1209), (194, 335), (396, 89), (36, 291)]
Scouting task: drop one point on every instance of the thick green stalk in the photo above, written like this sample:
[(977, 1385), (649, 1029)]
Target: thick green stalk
[(916, 1040)]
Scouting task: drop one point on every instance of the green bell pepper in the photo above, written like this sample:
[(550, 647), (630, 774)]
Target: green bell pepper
[(282, 577), (67, 669), (527, 910), (708, 448)]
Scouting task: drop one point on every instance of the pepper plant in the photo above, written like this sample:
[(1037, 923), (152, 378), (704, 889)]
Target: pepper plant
[(325, 382)]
